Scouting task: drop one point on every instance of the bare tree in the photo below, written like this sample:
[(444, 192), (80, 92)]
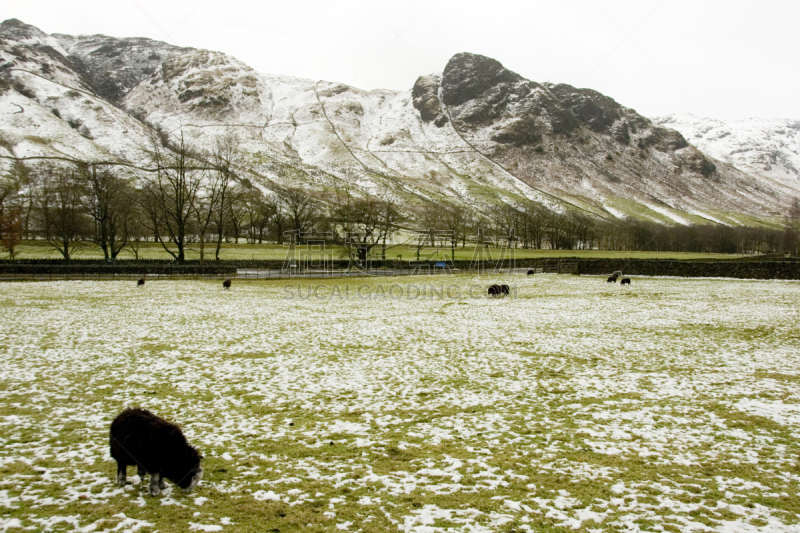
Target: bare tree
[(205, 205), (60, 206), (260, 212), (108, 203), (456, 221), (11, 212), (555, 229), (11, 229), (506, 221), (9, 189), (364, 227), (534, 217), (792, 233), (430, 220), (137, 229), (227, 160), (301, 211), (171, 192), (237, 211), (363, 223), (390, 218)]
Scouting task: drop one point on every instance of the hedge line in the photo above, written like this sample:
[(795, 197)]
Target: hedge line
[(783, 269), (689, 269)]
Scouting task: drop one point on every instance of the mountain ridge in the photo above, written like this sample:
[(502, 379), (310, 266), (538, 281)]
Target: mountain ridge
[(766, 147), (476, 134)]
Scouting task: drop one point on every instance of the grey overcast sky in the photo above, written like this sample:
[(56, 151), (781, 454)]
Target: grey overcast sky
[(715, 58)]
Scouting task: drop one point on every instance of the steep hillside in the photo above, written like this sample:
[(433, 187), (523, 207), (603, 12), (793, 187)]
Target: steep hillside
[(50, 107), (112, 67), (765, 147), (476, 134)]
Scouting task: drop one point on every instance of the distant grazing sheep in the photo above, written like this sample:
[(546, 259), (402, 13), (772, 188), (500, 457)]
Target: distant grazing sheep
[(140, 283), (156, 447), (226, 284), (612, 279), (498, 290), (531, 272), (625, 281)]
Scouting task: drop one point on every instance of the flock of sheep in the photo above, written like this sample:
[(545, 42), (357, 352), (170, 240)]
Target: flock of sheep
[(159, 448), (496, 290), (613, 278)]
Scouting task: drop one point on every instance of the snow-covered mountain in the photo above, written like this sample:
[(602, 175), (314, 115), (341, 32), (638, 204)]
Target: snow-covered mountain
[(764, 147), (476, 134)]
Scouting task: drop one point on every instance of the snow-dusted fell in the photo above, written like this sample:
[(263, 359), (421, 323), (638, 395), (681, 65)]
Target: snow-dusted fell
[(765, 147), (476, 134)]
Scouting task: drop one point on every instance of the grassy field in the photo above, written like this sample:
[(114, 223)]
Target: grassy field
[(409, 404), (39, 250)]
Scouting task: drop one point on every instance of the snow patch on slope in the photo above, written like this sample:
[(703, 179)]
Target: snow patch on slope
[(767, 147)]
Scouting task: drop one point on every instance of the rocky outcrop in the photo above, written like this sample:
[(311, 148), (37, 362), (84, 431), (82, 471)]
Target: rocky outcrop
[(589, 107), (471, 76), (16, 30), (487, 100), (111, 66), (425, 96)]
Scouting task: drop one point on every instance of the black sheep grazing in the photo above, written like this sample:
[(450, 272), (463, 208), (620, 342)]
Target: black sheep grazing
[(226, 284), (531, 272), (156, 447), (625, 281), (612, 279), (140, 283), (498, 290)]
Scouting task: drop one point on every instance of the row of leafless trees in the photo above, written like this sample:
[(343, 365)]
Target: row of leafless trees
[(189, 197), (532, 225), (186, 197)]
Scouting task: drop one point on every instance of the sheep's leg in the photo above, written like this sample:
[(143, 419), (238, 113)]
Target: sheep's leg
[(121, 474), (155, 484)]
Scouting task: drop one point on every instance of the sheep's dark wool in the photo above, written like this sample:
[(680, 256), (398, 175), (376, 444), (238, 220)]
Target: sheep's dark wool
[(498, 290), (531, 272), (612, 279), (140, 282), (156, 447), (226, 284), (625, 281)]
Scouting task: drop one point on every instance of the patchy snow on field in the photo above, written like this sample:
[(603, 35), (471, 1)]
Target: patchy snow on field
[(669, 405)]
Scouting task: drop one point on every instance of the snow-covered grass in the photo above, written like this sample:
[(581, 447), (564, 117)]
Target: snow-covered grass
[(670, 405)]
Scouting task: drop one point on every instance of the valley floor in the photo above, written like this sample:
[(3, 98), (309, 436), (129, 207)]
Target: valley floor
[(242, 251), (408, 405)]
